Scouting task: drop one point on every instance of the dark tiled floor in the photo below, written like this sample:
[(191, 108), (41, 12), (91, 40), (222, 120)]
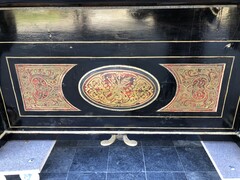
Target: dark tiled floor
[(165, 158)]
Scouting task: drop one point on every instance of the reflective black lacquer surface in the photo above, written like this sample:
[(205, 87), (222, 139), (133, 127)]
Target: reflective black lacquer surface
[(146, 39), (120, 24), (3, 123), (46, 3)]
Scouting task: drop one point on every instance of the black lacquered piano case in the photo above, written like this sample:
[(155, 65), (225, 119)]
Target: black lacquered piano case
[(137, 67)]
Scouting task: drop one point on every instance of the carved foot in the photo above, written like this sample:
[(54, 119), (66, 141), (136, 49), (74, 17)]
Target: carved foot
[(129, 142), (120, 137), (2, 177), (29, 176), (109, 141)]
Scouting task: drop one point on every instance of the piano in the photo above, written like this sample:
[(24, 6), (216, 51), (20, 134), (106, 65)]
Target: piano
[(85, 67)]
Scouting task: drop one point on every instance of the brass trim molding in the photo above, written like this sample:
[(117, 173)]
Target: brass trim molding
[(5, 109), (235, 115), (119, 132), (238, 134), (6, 132), (107, 127), (111, 116), (2, 135)]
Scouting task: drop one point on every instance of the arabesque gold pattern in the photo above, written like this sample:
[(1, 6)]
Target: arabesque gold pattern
[(198, 87), (41, 86), (119, 88)]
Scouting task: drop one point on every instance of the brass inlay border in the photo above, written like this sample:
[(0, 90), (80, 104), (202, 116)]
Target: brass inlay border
[(229, 79), (107, 127), (5, 108), (2, 135), (14, 91), (110, 57), (112, 116), (117, 57), (236, 111), (118, 132), (141, 116)]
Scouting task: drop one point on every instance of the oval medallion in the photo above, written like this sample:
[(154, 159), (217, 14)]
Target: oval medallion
[(119, 88)]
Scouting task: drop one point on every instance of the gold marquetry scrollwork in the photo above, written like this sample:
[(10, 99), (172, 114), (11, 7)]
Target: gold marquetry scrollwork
[(119, 88), (198, 87), (41, 86)]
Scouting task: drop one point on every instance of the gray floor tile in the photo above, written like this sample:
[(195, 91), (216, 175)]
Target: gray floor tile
[(194, 159), (162, 159), (86, 176), (86, 143), (87, 160), (186, 137), (161, 143), (126, 176), (125, 159), (160, 175), (166, 176), (90, 159), (53, 176), (207, 175), (179, 176), (62, 152), (59, 160), (154, 137), (187, 143), (59, 166), (66, 143)]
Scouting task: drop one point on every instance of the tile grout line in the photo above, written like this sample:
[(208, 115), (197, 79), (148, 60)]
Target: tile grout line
[(107, 162), (145, 169), (184, 170), (72, 160), (134, 171)]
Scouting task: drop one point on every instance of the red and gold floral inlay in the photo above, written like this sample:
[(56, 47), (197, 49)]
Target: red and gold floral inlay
[(198, 87), (41, 86), (119, 89)]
